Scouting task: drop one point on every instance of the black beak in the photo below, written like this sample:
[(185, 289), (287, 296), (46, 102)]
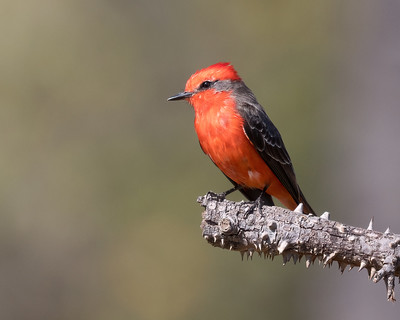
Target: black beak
[(180, 96)]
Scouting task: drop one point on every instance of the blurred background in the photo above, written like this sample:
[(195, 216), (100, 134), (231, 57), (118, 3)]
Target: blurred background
[(100, 175)]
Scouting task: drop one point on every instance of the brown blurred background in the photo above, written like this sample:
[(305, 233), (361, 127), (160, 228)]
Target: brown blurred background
[(99, 174)]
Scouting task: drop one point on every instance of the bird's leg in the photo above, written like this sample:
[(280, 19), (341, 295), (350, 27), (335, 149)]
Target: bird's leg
[(259, 201), (224, 194)]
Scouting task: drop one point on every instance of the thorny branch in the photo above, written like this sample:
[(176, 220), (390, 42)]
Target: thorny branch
[(238, 226)]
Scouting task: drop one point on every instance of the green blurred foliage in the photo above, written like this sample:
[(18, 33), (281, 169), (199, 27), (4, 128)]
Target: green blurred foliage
[(99, 174)]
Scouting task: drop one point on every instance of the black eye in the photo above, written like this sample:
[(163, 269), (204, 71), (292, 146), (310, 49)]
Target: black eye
[(205, 85)]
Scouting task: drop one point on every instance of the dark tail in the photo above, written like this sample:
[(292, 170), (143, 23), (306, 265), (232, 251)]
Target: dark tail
[(307, 207)]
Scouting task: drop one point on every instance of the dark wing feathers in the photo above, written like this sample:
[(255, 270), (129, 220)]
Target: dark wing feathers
[(267, 140)]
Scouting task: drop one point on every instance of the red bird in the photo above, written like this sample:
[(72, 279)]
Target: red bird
[(236, 133)]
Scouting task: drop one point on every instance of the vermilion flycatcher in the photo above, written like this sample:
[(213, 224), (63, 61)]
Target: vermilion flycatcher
[(236, 133)]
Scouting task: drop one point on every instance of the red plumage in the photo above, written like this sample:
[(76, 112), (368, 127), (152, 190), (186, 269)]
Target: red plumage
[(236, 133)]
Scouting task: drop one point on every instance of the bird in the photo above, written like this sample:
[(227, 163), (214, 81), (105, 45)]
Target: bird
[(236, 133)]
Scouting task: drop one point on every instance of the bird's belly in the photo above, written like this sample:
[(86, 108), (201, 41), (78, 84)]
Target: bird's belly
[(225, 142), (239, 161)]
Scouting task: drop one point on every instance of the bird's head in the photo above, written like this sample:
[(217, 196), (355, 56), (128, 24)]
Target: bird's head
[(207, 82)]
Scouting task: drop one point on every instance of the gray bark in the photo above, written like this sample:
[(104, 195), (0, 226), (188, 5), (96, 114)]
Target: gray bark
[(271, 231)]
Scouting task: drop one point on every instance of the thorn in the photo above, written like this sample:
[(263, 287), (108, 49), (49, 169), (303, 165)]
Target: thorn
[(282, 246), (313, 259), (328, 258), (242, 254), (250, 254), (265, 254), (308, 260), (230, 247), (299, 208), (342, 266), (371, 222), (372, 273), (326, 215), (363, 264), (215, 239), (351, 267), (286, 257), (222, 242), (259, 247), (295, 257), (387, 231)]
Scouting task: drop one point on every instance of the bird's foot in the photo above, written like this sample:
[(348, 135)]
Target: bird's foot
[(257, 206), (262, 199)]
